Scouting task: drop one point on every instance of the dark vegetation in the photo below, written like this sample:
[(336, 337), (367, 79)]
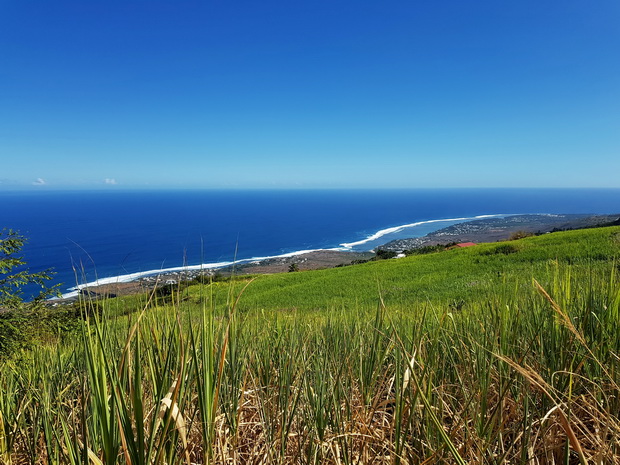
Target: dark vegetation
[(14, 276), (21, 322), (502, 249), (384, 254), (429, 249), (521, 235)]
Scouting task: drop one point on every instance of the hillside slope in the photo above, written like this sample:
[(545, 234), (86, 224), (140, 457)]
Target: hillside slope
[(468, 361), (444, 277)]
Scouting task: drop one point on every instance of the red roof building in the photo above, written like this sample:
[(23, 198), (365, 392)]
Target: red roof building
[(465, 244)]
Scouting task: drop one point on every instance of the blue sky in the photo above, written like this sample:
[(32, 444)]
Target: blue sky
[(322, 94)]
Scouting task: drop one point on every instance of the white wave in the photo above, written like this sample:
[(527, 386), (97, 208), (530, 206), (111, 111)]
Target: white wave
[(125, 278), (394, 229), (213, 266), (67, 295)]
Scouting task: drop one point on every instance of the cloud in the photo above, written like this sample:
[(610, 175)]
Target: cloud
[(39, 182), (111, 181)]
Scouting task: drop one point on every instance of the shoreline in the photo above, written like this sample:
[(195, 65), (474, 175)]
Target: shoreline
[(305, 260), (501, 229), (188, 270), (394, 229), (345, 247), (481, 228)]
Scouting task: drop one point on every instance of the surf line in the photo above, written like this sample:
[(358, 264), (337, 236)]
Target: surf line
[(344, 247), (394, 229)]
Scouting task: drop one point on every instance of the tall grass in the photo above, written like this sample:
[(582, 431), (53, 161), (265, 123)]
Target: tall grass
[(527, 372)]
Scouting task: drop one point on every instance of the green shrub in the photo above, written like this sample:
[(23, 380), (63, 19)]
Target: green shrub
[(384, 254), (520, 235), (504, 249), (18, 318)]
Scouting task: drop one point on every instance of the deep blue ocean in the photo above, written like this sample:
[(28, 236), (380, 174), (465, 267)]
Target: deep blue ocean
[(114, 233)]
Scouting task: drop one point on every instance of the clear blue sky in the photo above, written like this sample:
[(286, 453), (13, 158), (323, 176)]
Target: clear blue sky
[(314, 94)]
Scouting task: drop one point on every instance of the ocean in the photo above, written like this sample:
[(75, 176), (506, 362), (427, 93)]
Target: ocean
[(91, 235)]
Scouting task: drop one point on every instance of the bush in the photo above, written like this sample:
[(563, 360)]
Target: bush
[(13, 279), (382, 254), (20, 321), (502, 249), (520, 235)]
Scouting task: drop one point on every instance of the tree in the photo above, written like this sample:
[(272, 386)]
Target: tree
[(383, 254), (520, 235), (20, 321), (13, 277), (293, 267)]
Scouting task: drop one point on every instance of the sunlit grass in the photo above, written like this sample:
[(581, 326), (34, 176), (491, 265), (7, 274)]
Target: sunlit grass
[(477, 357)]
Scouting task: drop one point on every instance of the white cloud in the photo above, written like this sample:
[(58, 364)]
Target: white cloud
[(111, 181), (39, 182)]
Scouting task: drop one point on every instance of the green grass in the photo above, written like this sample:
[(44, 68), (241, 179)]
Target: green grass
[(448, 276), (454, 357)]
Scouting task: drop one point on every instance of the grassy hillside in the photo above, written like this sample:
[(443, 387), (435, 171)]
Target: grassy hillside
[(444, 277), (467, 360)]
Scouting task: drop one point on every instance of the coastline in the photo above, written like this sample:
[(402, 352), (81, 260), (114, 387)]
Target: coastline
[(135, 283), (481, 228), (395, 229), (344, 253), (501, 229)]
